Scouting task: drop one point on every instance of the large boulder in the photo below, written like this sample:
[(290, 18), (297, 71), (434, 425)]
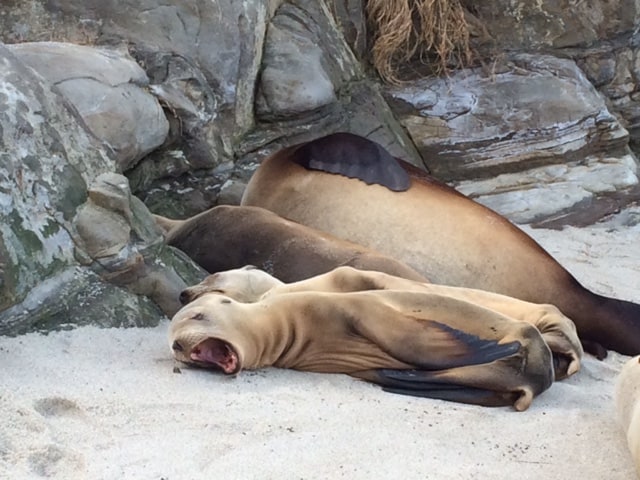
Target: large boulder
[(47, 162), (534, 140), (108, 90)]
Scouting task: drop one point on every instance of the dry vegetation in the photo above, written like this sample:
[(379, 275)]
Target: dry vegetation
[(432, 31)]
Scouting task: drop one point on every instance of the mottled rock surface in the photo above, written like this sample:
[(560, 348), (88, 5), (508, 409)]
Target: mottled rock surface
[(47, 161)]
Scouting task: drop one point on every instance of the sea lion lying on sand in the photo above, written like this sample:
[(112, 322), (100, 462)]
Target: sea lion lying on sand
[(352, 188), (249, 284), (425, 340)]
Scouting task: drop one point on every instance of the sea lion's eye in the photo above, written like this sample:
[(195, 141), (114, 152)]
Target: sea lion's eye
[(177, 347), (225, 300), (198, 316)]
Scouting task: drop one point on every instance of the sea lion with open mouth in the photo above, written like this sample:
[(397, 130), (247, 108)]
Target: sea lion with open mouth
[(410, 342), (249, 284)]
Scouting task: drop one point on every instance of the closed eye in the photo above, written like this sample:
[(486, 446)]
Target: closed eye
[(177, 347)]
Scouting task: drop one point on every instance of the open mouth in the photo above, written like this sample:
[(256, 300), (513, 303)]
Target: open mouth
[(216, 353)]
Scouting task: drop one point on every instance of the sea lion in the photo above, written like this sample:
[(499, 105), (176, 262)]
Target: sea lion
[(431, 227), (249, 284), (627, 396), (414, 343), (227, 237)]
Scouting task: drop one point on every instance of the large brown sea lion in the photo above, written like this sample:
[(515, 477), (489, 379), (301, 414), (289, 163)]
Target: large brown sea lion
[(227, 237), (249, 284), (415, 343), (444, 235), (627, 397)]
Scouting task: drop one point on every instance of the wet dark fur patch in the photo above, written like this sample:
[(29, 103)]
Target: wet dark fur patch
[(354, 157)]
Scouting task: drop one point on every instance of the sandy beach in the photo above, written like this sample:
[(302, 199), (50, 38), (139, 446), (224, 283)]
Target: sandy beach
[(110, 404)]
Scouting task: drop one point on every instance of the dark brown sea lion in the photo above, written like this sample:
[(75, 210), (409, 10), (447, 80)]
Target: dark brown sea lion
[(627, 395), (415, 343), (444, 235), (227, 237), (249, 284)]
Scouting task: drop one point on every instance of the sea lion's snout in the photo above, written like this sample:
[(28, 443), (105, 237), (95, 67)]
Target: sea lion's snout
[(185, 297)]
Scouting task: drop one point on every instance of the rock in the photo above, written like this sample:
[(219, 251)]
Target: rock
[(577, 193), (533, 142), (108, 89), (552, 23), (540, 111), (119, 239), (46, 161), (77, 296)]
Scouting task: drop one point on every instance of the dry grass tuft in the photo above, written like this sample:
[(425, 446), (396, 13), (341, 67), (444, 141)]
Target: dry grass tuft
[(434, 31)]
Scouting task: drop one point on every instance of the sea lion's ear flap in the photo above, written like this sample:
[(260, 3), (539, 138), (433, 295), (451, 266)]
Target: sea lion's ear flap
[(354, 157)]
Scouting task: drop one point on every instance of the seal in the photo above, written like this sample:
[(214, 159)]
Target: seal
[(249, 284), (627, 398), (434, 229), (227, 237), (414, 343)]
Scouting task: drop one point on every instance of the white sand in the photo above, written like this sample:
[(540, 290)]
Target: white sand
[(105, 404)]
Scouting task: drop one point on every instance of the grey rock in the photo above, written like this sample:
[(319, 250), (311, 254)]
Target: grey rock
[(570, 192), (46, 161), (294, 79), (554, 23), (77, 296), (118, 238), (542, 111), (108, 89)]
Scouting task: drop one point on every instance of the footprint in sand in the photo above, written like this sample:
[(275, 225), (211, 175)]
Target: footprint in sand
[(56, 459), (57, 407)]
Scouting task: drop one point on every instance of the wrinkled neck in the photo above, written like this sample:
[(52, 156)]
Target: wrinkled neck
[(261, 335)]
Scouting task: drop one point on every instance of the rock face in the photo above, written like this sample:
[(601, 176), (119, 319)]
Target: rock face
[(47, 160), (237, 80), (534, 141), (107, 90)]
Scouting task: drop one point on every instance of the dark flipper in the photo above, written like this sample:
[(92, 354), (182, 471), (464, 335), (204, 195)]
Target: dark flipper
[(418, 383), (354, 157)]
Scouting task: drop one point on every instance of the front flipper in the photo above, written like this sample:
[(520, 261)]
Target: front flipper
[(354, 157), (417, 383), (513, 380)]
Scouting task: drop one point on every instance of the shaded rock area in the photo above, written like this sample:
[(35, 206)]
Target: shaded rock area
[(237, 80)]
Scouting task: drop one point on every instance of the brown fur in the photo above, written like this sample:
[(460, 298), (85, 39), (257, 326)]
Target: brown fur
[(249, 284), (443, 235), (227, 237), (327, 324)]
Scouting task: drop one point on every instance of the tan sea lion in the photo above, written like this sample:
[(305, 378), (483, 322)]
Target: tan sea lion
[(249, 284), (415, 343), (431, 227), (227, 237), (627, 396)]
